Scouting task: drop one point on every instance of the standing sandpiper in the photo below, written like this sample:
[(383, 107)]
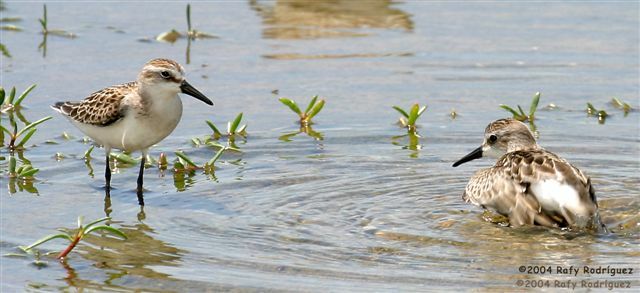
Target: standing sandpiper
[(528, 184), (135, 115)]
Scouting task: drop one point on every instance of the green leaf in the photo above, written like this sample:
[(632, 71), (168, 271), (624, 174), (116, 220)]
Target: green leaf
[(311, 103), (80, 219), (109, 229), (24, 94), (503, 106), (87, 154), (189, 17), (534, 104), (12, 94), (216, 156), (403, 112), (521, 111), (181, 155), (44, 6), (87, 226), (316, 109), (413, 115), (169, 37), (242, 129), (5, 53), (12, 165), (622, 105), (2, 94), (48, 238), (292, 105), (422, 110), (27, 137), (616, 102), (234, 125), (122, 157), (230, 148), (214, 144), (403, 121), (214, 128), (29, 172), (591, 110), (20, 169), (6, 130), (34, 124)]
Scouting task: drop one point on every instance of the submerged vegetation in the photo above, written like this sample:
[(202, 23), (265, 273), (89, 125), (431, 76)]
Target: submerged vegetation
[(74, 237), (5, 51), (520, 115), (601, 114), (618, 103), (313, 108)]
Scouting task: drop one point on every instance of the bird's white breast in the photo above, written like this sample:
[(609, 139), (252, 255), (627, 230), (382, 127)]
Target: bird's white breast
[(139, 128)]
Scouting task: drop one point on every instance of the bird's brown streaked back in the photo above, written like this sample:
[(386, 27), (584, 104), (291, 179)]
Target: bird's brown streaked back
[(101, 108)]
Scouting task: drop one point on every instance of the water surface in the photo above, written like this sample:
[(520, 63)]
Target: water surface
[(359, 210)]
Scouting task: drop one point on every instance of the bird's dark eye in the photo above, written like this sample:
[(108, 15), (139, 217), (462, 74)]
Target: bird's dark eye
[(493, 138), (165, 74)]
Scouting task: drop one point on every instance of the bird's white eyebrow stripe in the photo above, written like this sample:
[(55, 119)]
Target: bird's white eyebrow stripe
[(156, 68)]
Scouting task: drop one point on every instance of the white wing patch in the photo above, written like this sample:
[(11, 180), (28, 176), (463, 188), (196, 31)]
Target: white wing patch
[(556, 196)]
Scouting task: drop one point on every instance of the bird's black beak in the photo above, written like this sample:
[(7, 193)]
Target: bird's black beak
[(190, 90), (475, 154)]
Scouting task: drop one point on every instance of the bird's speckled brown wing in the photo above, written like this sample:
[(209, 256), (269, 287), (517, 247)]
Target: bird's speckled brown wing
[(101, 108), (538, 165)]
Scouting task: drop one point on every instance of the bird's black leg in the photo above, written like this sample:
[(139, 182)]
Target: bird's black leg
[(140, 175), (107, 175)]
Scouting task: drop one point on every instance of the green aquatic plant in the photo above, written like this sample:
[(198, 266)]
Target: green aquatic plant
[(75, 237), (409, 118), (26, 133), (56, 32), (162, 162), (124, 158), (10, 27), (453, 114), (10, 19), (618, 103), (46, 31), (5, 51), (21, 177), (233, 128), (311, 111), (8, 103), (184, 163), (173, 35), (601, 114), (24, 172), (520, 115), (193, 33)]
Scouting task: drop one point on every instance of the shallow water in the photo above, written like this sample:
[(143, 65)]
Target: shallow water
[(359, 210)]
